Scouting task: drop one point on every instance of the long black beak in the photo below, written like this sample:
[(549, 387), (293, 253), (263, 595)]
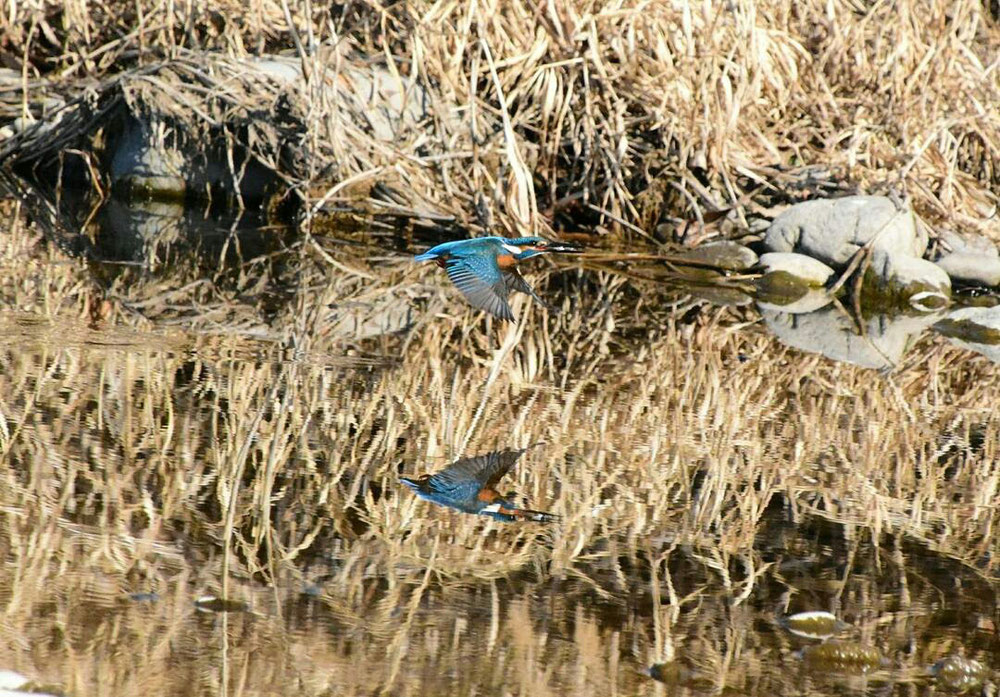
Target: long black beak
[(564, 247)]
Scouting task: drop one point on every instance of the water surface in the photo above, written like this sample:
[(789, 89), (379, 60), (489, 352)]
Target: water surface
[(170, 434)]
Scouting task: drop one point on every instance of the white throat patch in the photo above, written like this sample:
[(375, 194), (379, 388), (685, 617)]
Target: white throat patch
[(512, 249)]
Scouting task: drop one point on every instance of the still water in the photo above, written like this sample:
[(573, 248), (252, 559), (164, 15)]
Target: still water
[(203, 445)]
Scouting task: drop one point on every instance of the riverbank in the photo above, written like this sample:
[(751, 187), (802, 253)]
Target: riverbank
[(635, 122)]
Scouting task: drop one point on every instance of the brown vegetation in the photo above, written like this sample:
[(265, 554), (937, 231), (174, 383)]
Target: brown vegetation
[(615, 116), (200, 436)]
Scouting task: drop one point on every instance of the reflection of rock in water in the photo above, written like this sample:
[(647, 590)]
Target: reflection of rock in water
[(155, 233), (975, 329), (831, 332)]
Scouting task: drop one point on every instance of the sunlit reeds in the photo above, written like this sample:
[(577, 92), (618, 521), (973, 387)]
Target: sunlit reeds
[(619, 116)]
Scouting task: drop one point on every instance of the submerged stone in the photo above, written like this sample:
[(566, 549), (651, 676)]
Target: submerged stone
[(721, 295), (842, 657), (677, 674), (814, 299), (728, 256), (781, 288), (211, 603), (670, 672), (144, 597), (973, 328), (958, 674), (813, 624), (810, 271)]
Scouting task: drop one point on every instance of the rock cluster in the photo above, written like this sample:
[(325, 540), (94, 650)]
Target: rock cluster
[(811, 245), (811, 241)]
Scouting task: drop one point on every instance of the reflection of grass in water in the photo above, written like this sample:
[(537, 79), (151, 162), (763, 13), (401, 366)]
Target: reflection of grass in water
[(121, 465)]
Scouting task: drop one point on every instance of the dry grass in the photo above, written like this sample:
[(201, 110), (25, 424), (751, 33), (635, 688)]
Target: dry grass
[(141, 455)]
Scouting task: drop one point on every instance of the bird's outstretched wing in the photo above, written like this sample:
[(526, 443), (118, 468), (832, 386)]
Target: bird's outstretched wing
[(515, 281), (480, 471), (482, 283)]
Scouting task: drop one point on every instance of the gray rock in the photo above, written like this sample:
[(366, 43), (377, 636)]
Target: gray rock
[(832, 230), (146, 154), (899, 277), (969, 258), (729, 256), (388, 104), (811, 271), (953, 243), (831, 332), (969, 267), (974, 329)]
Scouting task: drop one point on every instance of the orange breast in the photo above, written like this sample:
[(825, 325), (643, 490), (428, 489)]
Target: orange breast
[(487, 495), (506, 261)]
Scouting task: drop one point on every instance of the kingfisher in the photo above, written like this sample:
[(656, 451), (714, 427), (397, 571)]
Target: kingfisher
[(469, 485), (485, 268)]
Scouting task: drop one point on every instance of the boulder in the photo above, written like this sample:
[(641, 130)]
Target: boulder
[(968, 268), (897, 278), (832, 230), (354, 321), (970, 259), (720, 295), (976, 245)]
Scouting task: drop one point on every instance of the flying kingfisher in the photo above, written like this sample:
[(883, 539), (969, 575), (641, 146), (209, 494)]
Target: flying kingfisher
[(485, 268), (469, 485)]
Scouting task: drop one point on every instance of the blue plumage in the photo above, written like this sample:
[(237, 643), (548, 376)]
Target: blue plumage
[(469, 485), (484, 269)]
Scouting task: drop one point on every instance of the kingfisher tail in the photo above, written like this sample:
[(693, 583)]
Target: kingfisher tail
[(539, 516), (412, 483), (511, 515)]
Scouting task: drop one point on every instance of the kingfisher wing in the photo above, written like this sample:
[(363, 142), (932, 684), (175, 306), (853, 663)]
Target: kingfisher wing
[(482, 283), (515, 281), (474, 473)]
